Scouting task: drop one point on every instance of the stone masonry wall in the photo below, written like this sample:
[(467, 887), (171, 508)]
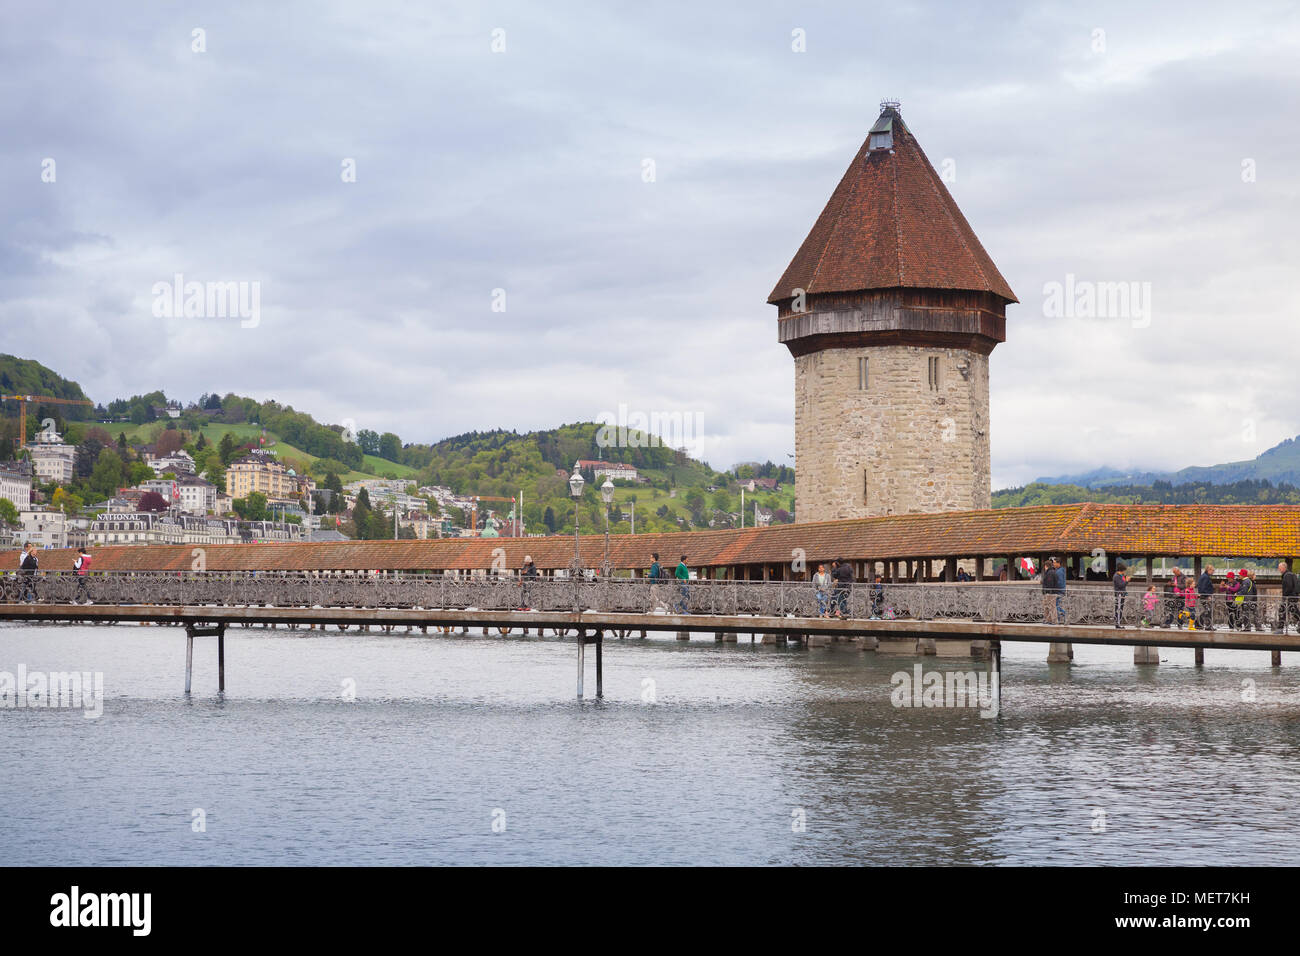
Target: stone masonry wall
[(898, 446)]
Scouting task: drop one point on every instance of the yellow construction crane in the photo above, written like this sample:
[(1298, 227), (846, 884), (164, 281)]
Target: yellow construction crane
[(23, 401)]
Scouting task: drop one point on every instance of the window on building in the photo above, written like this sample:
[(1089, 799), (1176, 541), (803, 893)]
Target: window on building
[(882, 134), (862, 374), (934, 373), (864, 486)]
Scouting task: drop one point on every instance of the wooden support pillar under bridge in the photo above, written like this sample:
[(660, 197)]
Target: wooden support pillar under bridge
[(212, 620), (198, 630), (597, 638)]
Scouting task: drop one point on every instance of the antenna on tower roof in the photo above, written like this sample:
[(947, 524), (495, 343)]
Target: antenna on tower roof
[(890, 105)]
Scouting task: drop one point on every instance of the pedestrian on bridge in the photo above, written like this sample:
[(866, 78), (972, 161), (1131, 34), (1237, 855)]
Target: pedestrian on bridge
[(1249, 595), (1290, 608), (1120, 583), (1231, 589), (822, 583), (1205, 598), (1058, 588), (27, 570), (843, 575), (1052, 582), (683, 574), (81, 564), (527, 577), (1172, 598)]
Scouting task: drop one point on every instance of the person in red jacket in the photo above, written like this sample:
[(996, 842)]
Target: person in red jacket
[(1230, 589), (81, 564)]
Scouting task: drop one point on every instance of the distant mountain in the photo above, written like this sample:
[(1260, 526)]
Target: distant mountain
[(1281, 463)]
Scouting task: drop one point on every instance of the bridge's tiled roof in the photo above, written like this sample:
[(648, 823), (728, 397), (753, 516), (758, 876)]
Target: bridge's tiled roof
[(1262, 531)]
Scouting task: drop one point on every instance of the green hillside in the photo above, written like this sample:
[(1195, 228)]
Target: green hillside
[(676, 492), (27, 377)]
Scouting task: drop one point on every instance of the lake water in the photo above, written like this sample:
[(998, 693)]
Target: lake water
[(473, 750)]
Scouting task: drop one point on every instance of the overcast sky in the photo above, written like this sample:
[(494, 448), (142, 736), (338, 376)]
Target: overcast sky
[(1104, 141)]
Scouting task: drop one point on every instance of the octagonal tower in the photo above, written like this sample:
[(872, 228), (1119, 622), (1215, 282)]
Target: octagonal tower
[(891, 308)]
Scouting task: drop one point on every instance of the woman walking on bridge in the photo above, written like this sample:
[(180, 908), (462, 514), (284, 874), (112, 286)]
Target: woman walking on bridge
[(821, 582)]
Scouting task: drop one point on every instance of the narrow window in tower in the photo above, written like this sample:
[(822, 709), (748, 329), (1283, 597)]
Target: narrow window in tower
[(862, 374), (934, 373), (864, 486)]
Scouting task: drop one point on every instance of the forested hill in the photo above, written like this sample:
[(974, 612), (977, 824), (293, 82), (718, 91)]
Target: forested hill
[(1245, 492), (674, 492)]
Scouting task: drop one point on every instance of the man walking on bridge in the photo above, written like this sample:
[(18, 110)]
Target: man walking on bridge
[(1205, 599), (1058, 588), (843, 575), (1120, 582), (1290, 609), (27, 571), (683, 574), (1053, 584), (527, 576), (1249, 595)]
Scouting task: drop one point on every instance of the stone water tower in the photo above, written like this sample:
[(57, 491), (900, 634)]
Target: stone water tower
[(890, 308)]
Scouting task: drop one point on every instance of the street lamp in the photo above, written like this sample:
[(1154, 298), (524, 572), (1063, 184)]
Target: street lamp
[(606, 495), (575, 490)]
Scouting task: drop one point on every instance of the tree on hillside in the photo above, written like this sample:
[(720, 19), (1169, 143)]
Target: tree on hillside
[(369, 441), (8, 512), (695, 501), (390, 446), (252, 508), (107, 475), (169, 442), (227, 448), (362, 524), (152, 501), (66, 501), (88, 453)]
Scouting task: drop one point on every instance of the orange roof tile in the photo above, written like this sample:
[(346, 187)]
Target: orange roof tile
[(1263, 531), (891, 223)]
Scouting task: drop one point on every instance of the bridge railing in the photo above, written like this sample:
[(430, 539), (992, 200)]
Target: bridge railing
[(990, 602)]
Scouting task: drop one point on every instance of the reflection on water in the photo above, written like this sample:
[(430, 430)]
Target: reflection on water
[(749, 754)]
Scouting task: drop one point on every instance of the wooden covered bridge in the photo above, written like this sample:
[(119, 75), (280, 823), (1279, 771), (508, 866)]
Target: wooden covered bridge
[(918, 548)]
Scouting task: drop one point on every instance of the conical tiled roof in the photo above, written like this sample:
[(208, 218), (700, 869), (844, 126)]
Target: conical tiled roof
[(891, 223)]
